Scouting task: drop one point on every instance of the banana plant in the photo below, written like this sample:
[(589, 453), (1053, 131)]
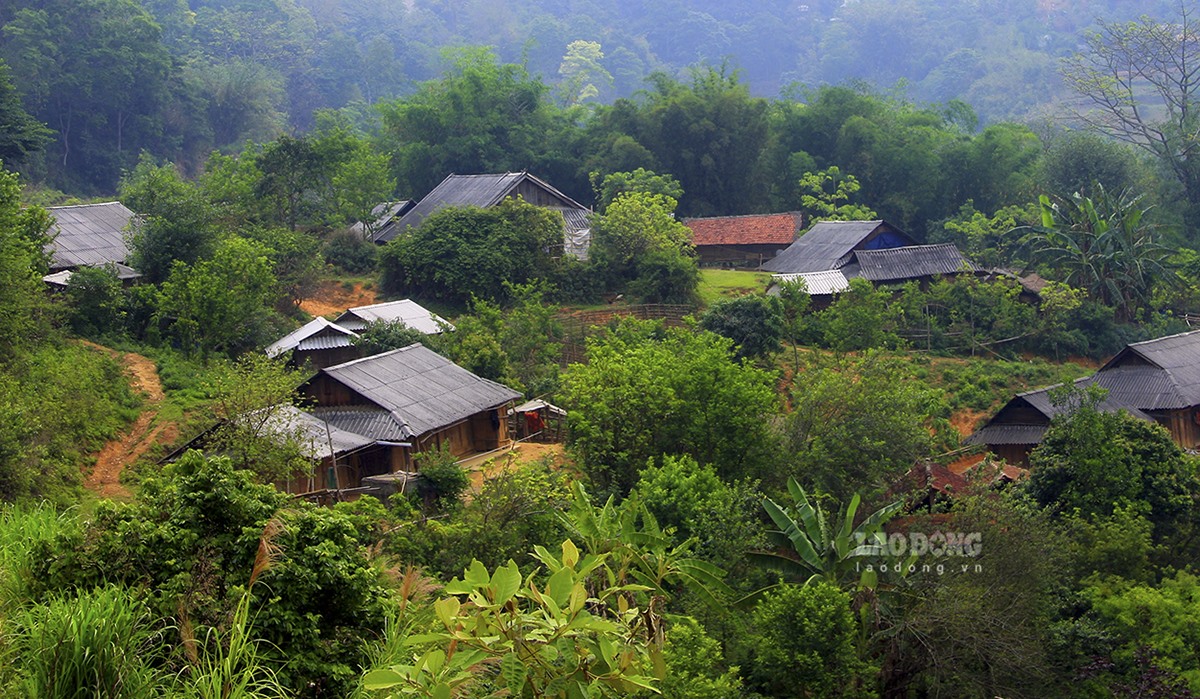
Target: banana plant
[(808, 544)]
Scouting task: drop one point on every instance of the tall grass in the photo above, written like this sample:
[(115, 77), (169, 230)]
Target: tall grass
[(102, 643), (25, 532), (228, 665), (106, 643)]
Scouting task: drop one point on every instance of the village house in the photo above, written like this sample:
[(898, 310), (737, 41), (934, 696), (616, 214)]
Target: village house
[(371, 418), (1156, 381), (742, 241), (832, 253), (830, 245), (412, 400), (485, 191), (320, 343), (406, 311), (89, 235)]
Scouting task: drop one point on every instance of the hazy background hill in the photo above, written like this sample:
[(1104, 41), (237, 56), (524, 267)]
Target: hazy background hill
[(179, 78)]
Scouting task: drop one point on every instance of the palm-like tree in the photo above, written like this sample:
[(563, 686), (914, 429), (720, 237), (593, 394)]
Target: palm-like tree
[(1102, 244)]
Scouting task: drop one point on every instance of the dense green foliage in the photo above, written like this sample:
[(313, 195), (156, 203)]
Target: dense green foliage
[(192, 542), (1094, 462), (58, 401), (647, 392), (684, 575), (459, 253), (856, 424)]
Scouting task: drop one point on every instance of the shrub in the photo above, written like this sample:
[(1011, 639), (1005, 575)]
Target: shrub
[(351, 253), (443, 481)]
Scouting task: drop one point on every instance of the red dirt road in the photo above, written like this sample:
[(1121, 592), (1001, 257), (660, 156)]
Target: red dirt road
[(105, 478)]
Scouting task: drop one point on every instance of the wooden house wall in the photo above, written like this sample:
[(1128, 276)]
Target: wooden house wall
[(473, 435), (1015, 454), (351, 469), (315, 360), (326, 392), (1182, 426), (538, 196), (746, 256)]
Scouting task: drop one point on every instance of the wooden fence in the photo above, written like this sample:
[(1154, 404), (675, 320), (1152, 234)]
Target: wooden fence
[(579, 325)]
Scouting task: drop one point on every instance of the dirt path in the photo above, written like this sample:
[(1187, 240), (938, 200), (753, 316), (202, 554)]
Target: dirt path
[(105, 478), (333, 297), (522, 454)]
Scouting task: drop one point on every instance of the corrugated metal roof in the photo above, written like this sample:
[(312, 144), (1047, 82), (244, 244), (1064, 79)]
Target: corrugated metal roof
[(422, 389), (376, 423), (911, 262), (753, 229), (315, 434), (382, 214), (577, 219), (466, 190), (817, 283), (1114, 401), (538, 404), (1146, 387), (317, 327), (89, 234), (1162, 374), (1008, 434), (324, 342), (456, 190), (828, 245), (123, 273), (469, 190), (411, 313), (1178, 356), (998, 431)]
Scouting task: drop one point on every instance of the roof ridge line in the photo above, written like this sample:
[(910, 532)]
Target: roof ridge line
[(711, 218), (374, 356), (95, 203)]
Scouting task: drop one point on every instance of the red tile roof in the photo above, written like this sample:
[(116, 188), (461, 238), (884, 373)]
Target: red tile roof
[(755, 229)]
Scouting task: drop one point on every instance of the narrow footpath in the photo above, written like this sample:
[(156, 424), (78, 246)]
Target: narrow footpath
[(105, 478)]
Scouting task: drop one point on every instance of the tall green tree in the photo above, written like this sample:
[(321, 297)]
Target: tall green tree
[(804, 643), (21, 135), (22, 264), (633, 225), (97, 73), (755, 323), (646, 392), (176, 222), (612, 185), (220, 304), (859, 423), (1093, 462), (482, 116), (460, 252), (707, 133)]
